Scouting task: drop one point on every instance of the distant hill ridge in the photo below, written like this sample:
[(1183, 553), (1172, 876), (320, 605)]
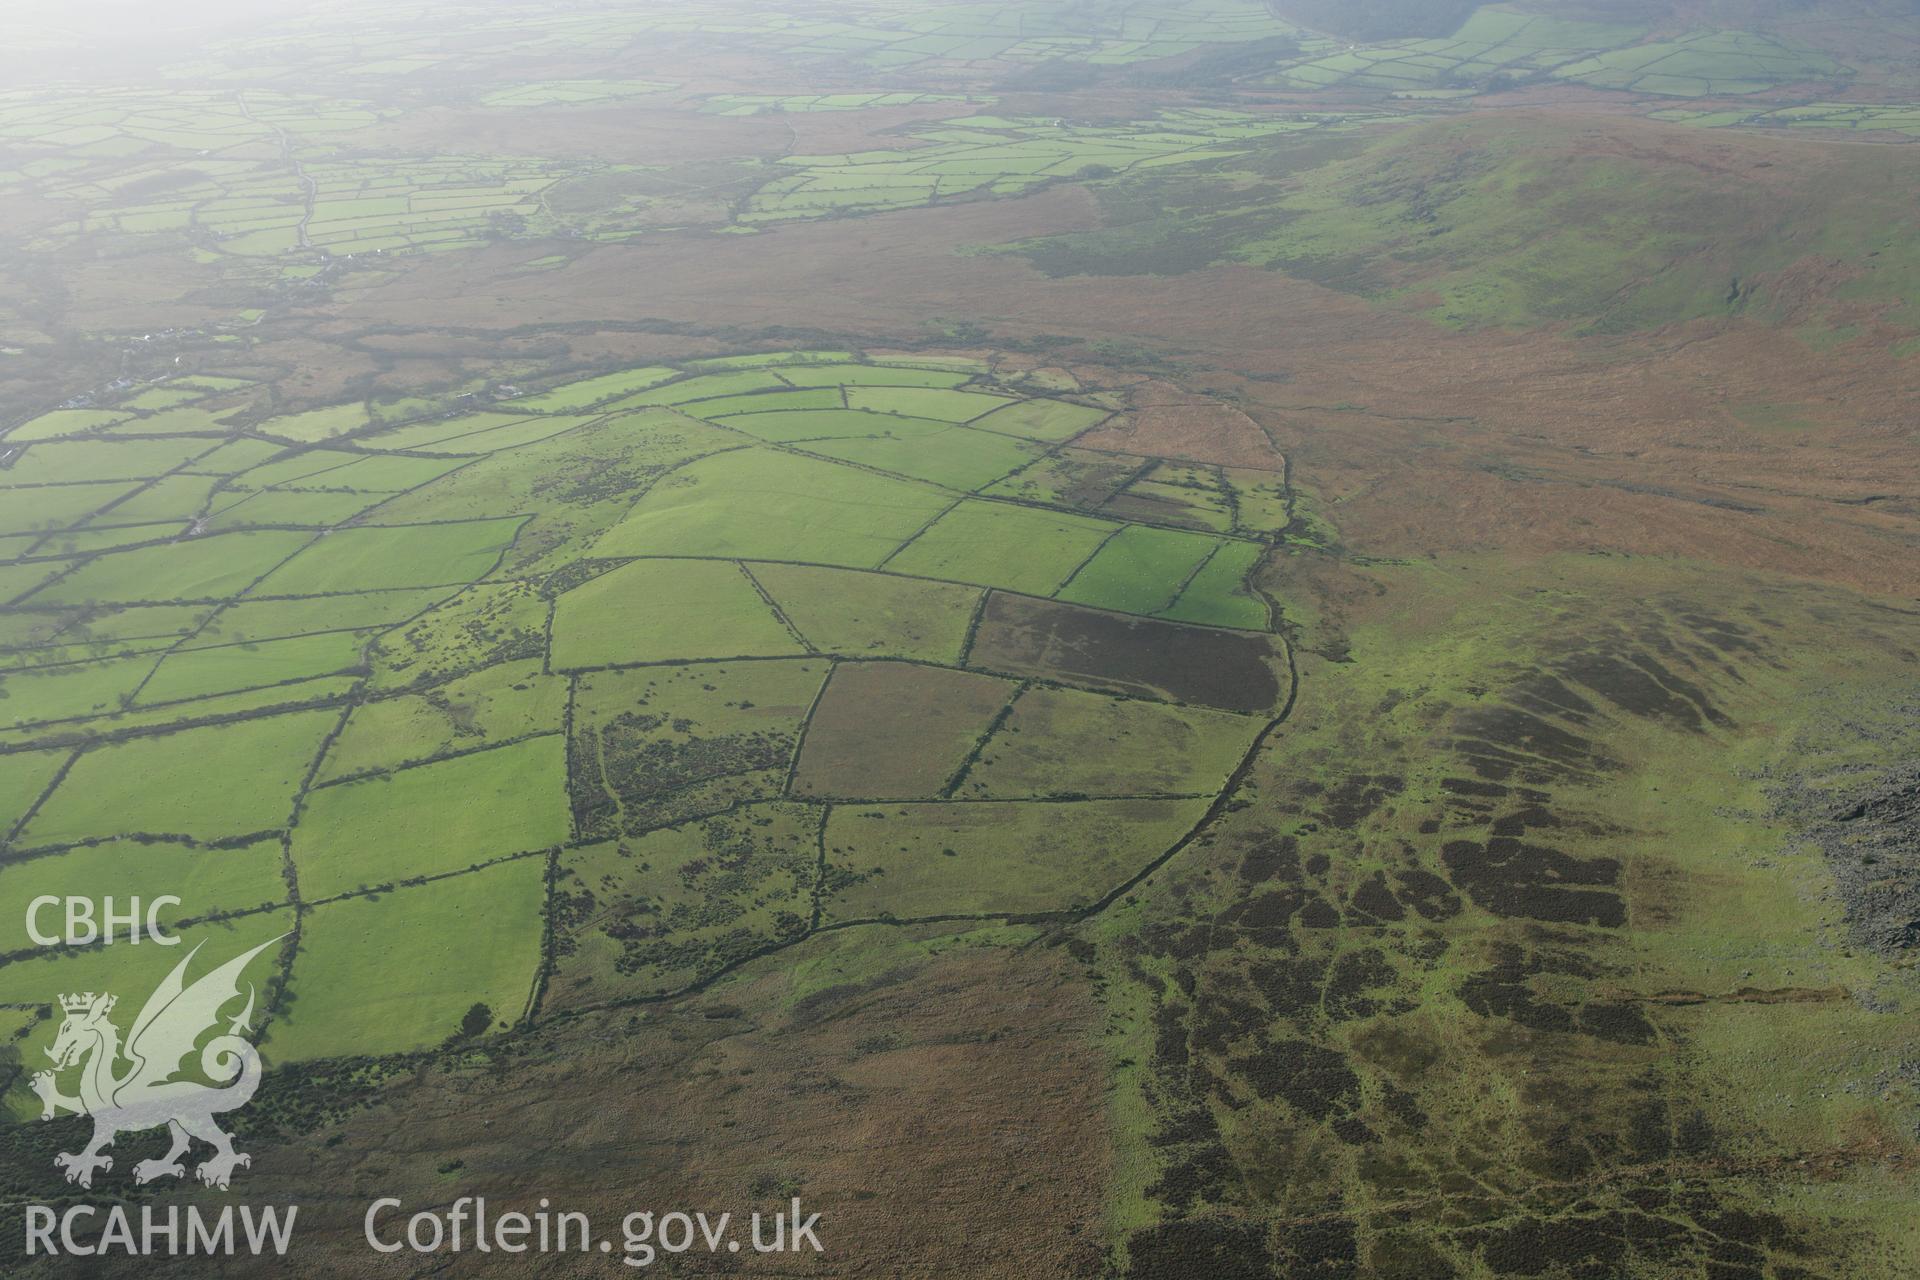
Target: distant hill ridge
[(1370, 20)]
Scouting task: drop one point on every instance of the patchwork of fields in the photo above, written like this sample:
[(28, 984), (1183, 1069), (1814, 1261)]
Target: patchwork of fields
[(1243, 638), (259, 180), (249, 174), (265, 176), (995, 155), (1502, 42), (405, 40), (655, 671), (1841, 117)]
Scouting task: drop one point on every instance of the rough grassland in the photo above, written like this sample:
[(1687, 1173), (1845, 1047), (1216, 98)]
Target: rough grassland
[(1061, 742), (893, 731), (921, 859), (502, 701)]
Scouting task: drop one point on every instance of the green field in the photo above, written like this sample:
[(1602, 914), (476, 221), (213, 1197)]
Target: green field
[(1139, 569), (474, 939), (995, 544), (663, 610), (432, 819), (195, 785), (871, 615)]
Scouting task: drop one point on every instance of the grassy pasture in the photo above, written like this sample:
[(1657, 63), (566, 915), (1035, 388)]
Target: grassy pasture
[(24, 777), (210, 171), (207, 881), (1218, 595), (1494, 41), (956, 458), (1139, 570), (768, 401), (23, 628), (600, 468), (870, 615), (979, 156), (203, 784), (774, 360), (61, 423), (131, 973), (571, 397), (487, 623), (70, 461), (806, 426), (705, 386), (371, 559), (175, 498), (1260, 499), (802, 509), (71, 690), (1182, 505), (869, 375), (58, 505), (373, 473), (1841, 117), (250, 620), (433, 818), (333, 469), (199, 673), (18, 581), (662, 610), (1070, 477), (926, 402), (997, 544), (398, 971), (1700, 63), (301, 695), (446, 435), (316, 425), (313, 509)]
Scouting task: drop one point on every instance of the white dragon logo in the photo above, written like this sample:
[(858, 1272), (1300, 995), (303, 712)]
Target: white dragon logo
[(148, 1095)]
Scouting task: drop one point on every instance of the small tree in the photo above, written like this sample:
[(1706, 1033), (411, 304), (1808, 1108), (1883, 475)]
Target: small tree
[(476, 1023)]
